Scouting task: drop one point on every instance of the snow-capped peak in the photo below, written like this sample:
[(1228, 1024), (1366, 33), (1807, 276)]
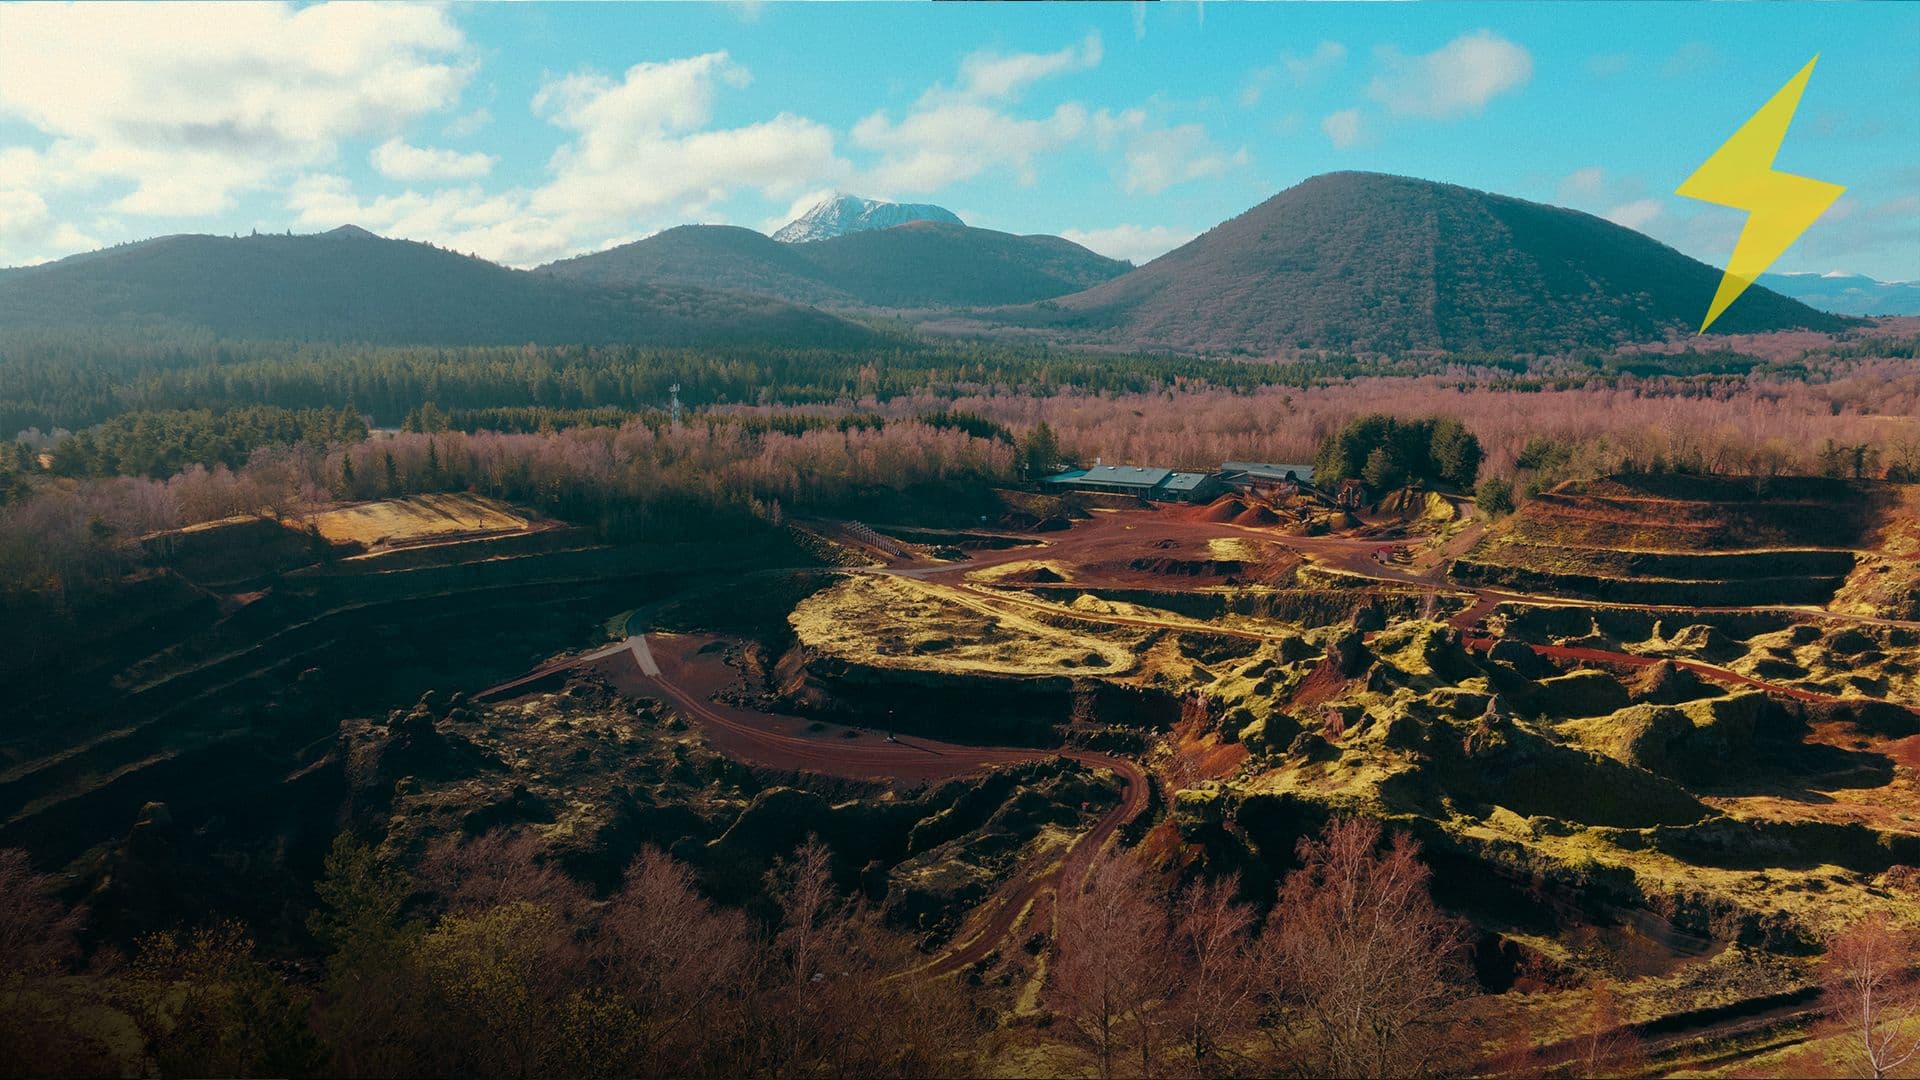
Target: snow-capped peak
[(844, 214)]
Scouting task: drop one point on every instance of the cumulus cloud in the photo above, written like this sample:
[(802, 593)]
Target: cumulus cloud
[(1637, 215), (468, 219), (1455, 80), (642, 145), (991, 75), (396, 159), (1623, 200), (30, 234), (1299, 69), (468, 124), (641, 153), (1583, 185), (954, 133), (1135, 243), (1158, 158), (190, 105), (932, 147), (1346, 128), (1325, 58)]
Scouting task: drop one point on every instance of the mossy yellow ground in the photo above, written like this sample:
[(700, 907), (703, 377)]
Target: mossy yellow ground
[(902, 623), (414, 519)]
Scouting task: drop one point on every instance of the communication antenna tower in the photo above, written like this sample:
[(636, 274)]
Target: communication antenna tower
[(673, 402)]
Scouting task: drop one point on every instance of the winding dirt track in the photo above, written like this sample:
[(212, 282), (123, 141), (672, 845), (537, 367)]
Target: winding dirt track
[(690, 672)]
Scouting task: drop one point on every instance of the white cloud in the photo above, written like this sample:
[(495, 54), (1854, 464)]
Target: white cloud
[(1583, 185), (1622, 200), (1136, 243), (1299, 70), (955, 133), (1159, 158), (1454, 80), (990, 75), (1637, 214), (396, 159), (467, 219), (796, 208), (1346, 128), (192, 104), (29, 233), (1325, 58), (468, 124), (640, 155), (931, 148), (641, 145)]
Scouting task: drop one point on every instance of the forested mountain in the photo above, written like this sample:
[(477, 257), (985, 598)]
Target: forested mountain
[(1380, 263), (917, 265), (844, 214), (350, 285), (708, 256), (1848, 294)]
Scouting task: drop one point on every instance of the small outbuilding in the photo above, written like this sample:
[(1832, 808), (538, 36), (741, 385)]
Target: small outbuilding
[(1190, 487)]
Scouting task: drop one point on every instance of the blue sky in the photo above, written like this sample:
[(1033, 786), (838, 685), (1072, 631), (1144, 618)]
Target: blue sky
[(526, 132)]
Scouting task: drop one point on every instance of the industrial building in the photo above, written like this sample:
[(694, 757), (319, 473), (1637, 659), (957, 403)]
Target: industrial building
[(1158, 485), (1256, 473)]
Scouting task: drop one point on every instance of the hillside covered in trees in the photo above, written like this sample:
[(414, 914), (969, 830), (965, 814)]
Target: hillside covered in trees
[(916, 265), (349, 285), (1381, 263)]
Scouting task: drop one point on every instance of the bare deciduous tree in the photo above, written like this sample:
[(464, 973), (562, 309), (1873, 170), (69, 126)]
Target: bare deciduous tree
[(671, 975), (37, 945), (496, 868), (1216, 972), (1872, 991), (1367, 959), (1109, 967), (1608, 1047), (836, 1002)]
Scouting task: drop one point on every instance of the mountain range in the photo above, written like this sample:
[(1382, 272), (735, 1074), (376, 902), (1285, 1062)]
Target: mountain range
[(1355, 261), (1372, 262), (920, 264), (843, 214), (1848, 294), (350, 285)]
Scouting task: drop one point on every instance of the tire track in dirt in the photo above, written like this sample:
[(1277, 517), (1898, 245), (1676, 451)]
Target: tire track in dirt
[(687, 678)]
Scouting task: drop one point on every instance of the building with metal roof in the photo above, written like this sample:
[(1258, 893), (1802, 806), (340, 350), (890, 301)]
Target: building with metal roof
[(1260, 472), (1190, 486), (1140, 482), (1114, 480)]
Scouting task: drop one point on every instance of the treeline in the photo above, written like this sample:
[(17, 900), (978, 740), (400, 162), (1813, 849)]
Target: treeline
[(69, 538), (47, 383), (1388, 451), (485, 960), (488, 962), (157, 444), (73, 381)]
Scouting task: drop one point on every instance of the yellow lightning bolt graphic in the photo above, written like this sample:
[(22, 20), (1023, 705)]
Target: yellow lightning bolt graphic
[(1780, 206)]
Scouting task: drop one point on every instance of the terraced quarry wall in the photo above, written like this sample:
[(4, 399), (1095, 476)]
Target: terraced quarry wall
[(215, 717), (1682, 540)]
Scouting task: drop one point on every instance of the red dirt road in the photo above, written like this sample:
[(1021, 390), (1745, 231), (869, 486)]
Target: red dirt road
[(691, 672)]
